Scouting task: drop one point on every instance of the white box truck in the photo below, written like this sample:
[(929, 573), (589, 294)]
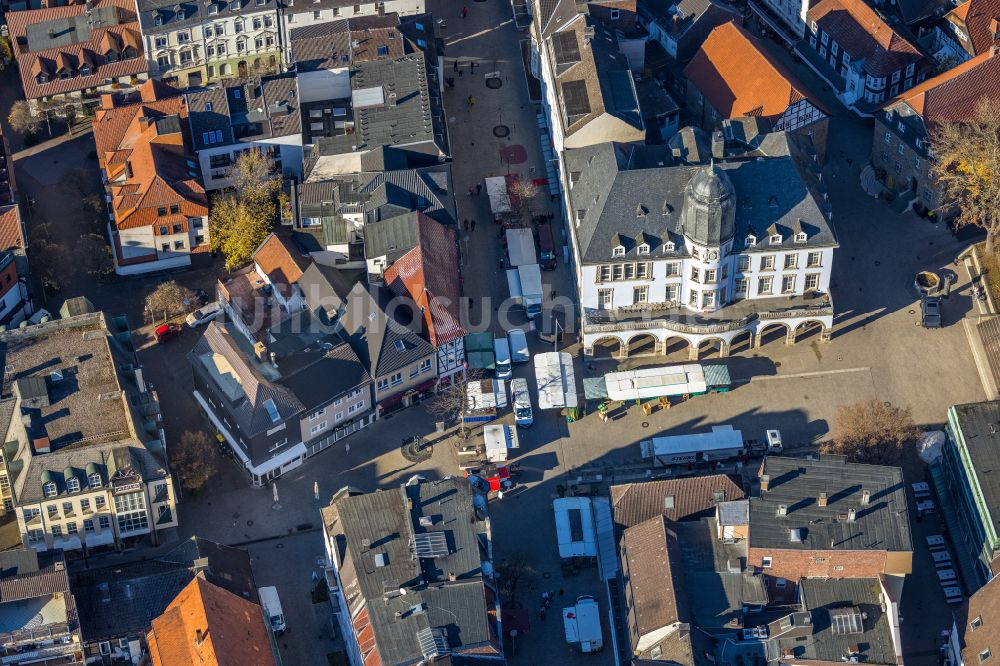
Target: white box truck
[(521, 247), (525, 284), (272, 608), (583, 624)]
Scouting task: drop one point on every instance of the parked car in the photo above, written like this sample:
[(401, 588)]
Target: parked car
[(165, 332), (518, 346), (930, 312), (502, 352), (203, 315)]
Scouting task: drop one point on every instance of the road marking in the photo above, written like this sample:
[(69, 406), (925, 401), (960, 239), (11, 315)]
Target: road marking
[(800, 375)]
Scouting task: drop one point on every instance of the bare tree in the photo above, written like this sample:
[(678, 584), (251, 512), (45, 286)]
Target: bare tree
[(22, 119), (512, 570), (451, 401), (872, 432), (194, 459), (967, 165), (93, 254), (50, 262), (522, 195), (169, 299)]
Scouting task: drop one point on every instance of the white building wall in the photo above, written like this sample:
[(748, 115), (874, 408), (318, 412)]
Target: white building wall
[(289, 149), (301, 19)]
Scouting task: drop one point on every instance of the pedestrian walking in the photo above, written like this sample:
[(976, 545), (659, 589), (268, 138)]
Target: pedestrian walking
[(473, 225), (465, 223), (472, 100), (469, 192), (479, 188), (456, 65), (465, 12)]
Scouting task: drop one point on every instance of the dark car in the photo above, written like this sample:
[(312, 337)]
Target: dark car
[(930, 312), (549, 326), (547, 247), (166, 331)]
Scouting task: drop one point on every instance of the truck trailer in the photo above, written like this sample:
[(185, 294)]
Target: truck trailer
[(582, 623), (722, 443)]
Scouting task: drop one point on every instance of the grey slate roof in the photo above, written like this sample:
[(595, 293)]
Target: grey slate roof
[(193, 13), (27, 574), (610, 189), (373, 534), (326, 287), (71, 29), (391, 193), (244, 111), (393, 105), (978, 422), (123, 599), (822, 598), (336, 373), (374, 336), (393, 237), (321, 45), (251, 413), (882, 525), (28, 485)]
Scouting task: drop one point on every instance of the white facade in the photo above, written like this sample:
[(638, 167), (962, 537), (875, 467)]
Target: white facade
[(312, 12), (171, 250), (790, 12), (284, 151), (213, 46), (451, 358)]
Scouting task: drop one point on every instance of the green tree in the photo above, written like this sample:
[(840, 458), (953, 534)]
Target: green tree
[(967, 166), (22, 119), (194, 459), (241, 218)]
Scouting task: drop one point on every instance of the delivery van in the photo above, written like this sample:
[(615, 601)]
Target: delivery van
[(522, 402), (502, 352)]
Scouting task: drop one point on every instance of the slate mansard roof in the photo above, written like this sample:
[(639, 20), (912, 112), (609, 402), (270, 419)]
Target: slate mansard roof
[(618, 203)]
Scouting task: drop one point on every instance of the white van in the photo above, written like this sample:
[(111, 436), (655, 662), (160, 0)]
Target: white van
[(522, 402), (502, 352), (518, 346), (272, 608)]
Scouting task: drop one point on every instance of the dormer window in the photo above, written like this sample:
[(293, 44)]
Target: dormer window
[(94, 480), (157, 20), (751, 240), (213, 8), (800, 237), (41, 78), (49, 489), (775, 239), (643, 249), (618, 251), (85, 70), (669, 246), (73, 484)]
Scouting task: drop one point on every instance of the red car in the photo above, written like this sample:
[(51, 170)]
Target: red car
[(166, 331)]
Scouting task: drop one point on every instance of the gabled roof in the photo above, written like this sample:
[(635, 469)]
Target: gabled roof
[(654, 576), (245, 110), (984, 605), (739, 76), (220, 353), (865, 36), (429, 275), (954, 94), (281, 261), (156, 100), (11, 231), (231, 630), (383, 344), (393, 237), (690, 499), (976, 18)]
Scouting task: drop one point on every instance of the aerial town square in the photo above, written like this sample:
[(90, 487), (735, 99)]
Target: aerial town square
[(485, 332)]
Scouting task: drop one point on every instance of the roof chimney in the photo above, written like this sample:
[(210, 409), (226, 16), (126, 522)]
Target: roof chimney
[(199, 637), (452, 577), (782, 510), (866, 497), (821, 500), (765, 481), (994, 27), (852, 514), (718, 144)]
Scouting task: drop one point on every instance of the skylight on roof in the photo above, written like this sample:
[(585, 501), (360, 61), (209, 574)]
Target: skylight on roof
[(400, 345), (272, 411)]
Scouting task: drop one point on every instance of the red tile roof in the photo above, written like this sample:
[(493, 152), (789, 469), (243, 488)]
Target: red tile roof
[(858, 30), (11, 236), (977, 17), (210, 626), (633, 503), (163, 171), (955, 94), (739, 76), (281, 261), (18, 22), (429, 275), (74, 56)]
